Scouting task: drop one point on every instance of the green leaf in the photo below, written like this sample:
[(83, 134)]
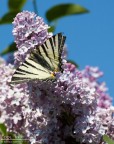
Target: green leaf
[(16, 4), (9, 49), (107, 139), (3, 129), (51, 29), (17, 138), (8, 17), (62, 10)]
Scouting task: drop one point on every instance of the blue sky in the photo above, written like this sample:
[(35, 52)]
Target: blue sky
[(90, 37)]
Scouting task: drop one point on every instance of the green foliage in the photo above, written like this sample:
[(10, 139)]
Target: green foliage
[(107, 139), (62, 10), (9, 49), (51, 29), (8, 17), (10, 137), (16, 4), (15, 7), (19, 139), (3, 129)]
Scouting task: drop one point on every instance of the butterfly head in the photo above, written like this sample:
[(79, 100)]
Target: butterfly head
[(53, 74)]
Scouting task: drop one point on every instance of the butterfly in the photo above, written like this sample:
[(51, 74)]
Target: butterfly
[(43, 62)]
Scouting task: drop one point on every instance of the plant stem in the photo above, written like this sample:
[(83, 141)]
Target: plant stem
[(35, 6)]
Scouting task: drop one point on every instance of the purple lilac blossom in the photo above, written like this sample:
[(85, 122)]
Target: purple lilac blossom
[(69, 111), (68, 107), (62, 112), (104, 110), (29, 31), (11, 99), (91, 76)]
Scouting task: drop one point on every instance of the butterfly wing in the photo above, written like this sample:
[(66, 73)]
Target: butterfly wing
[(43, 60), (51, 51), (30, 70)]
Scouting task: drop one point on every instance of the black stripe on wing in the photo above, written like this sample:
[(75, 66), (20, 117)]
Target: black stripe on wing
[(34, 56), (60, 45), (56, 43), (23, 72), (46, 54), (29, 64), (60, 52), (42, 51), (52, 46), (16, 79)]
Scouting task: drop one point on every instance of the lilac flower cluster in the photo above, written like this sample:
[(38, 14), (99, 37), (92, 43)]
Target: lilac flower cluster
[(11, 98), (74, 109), (28, 31), (91, 76), (68, 107), (105, 110)]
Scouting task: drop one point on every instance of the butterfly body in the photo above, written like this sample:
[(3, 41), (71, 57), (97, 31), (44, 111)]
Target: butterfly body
[(43, 62)]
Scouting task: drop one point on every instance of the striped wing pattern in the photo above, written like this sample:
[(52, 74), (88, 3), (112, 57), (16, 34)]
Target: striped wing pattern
[(42, 62)]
